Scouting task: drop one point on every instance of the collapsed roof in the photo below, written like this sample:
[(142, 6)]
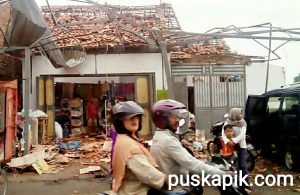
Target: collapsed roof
[(69, 31), (125, 29), (92, 26), (22, 25)]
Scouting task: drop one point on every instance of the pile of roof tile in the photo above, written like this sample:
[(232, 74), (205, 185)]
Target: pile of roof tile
[(109, 35), (105, 34), (213, 47)]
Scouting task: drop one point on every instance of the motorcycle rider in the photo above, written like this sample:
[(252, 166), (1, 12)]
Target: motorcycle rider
[(134, 169), (166, 148)]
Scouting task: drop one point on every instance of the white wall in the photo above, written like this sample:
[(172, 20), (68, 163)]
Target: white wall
[(94, 80), (102, 64), (256, 78)]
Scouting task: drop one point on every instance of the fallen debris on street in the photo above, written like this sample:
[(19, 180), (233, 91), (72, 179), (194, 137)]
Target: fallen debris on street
[(85, 151)]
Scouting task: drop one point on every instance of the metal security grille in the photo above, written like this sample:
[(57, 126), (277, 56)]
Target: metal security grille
[(180, 89), (217, 88)]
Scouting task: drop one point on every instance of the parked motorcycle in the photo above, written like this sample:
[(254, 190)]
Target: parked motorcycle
[(214, 146)]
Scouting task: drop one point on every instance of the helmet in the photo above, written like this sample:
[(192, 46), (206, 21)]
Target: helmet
[(162, 108), (235, 114), (127, 109)]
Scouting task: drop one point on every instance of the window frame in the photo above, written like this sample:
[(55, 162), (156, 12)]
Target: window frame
[(280, 103), (283, 100)]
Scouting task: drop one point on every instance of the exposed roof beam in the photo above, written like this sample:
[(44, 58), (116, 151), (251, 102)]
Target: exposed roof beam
[(205, 36), (52, 15)]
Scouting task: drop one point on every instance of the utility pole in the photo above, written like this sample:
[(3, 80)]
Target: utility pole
[(26, 88), (269, 55)]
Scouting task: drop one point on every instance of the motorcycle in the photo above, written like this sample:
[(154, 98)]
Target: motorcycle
[(216, 162), (225, 166), (214, 146)]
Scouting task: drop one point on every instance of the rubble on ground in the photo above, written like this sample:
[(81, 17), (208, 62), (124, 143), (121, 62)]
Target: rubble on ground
[(198, 148), (92, 156), (88, 152)]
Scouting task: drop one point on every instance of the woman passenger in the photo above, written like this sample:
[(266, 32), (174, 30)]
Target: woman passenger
[(134, 170)]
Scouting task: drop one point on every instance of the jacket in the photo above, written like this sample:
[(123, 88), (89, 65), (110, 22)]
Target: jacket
[(173, 158)]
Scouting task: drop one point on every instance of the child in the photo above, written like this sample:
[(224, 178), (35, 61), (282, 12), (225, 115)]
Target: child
[(227, 150)]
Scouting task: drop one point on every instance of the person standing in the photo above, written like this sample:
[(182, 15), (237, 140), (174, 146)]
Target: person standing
[(91, 115)]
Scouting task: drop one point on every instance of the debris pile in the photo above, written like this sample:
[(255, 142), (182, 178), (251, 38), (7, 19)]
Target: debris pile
[(93, 154)]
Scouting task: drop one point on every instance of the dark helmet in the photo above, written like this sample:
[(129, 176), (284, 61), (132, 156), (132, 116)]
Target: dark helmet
[(162, 108)]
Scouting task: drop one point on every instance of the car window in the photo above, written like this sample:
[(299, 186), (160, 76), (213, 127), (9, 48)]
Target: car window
[(290, 105), (256, 106), (274, 104)]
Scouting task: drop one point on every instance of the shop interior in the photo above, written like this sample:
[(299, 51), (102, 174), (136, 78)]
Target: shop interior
[(83, 104)]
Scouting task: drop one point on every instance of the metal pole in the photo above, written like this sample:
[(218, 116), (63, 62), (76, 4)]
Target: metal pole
[(227, 93), (211, 106), (52, 15), (26, 89), (245, 85), (168, 72), (269, 55)]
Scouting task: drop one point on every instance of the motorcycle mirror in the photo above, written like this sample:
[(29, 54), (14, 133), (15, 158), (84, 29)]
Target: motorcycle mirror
[(181, 122), (149, 142)]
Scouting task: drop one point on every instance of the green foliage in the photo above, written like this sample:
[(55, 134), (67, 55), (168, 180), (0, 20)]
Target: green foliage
[(297, 79), (162, 94)]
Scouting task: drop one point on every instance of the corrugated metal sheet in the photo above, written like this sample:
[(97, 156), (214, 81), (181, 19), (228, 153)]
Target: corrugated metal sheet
[(181, 91), (227, 69), (22, 24), (197, 69), (187, 69), (25, 22), (202, 91), (217, 88), (219, 91)]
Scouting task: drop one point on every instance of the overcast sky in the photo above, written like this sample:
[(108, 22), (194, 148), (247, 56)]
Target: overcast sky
[(202, 15)]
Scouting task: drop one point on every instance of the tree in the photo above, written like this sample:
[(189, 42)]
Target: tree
[(297, 79)]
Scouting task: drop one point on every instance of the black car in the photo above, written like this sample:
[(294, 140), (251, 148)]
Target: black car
[(273, 120)]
